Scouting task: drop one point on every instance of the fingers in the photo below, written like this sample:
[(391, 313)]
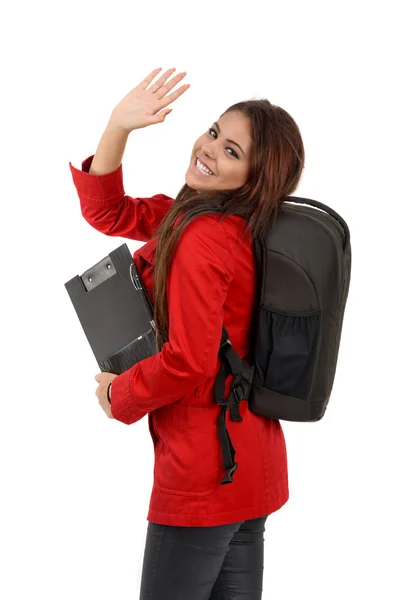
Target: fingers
[(168, 99), (168, 86), (160, 117), (143, 84), (161, 87), (161, 80)]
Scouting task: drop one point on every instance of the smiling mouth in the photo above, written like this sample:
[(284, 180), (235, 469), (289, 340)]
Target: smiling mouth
[(198, 170)]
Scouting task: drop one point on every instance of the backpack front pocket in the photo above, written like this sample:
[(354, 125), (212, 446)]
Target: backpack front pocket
[(289, 342)]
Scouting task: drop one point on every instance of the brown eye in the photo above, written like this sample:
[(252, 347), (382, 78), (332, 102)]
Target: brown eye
[(234, 153)]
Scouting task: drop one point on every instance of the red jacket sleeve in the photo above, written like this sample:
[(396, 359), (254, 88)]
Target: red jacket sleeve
[(106, 207), (197, 285)]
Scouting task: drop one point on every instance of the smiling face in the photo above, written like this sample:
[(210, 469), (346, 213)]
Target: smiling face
[(225, 150)]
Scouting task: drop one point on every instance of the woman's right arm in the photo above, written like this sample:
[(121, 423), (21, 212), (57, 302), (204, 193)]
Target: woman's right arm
[(99, 184), (110, 150), (104, 204), (106, 207)]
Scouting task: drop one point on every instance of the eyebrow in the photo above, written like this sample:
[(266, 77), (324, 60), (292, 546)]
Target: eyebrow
[(230, 141)]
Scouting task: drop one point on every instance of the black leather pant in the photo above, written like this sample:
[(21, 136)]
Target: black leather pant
[(225, 562)]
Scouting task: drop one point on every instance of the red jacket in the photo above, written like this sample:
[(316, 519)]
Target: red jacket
[(211, 282)]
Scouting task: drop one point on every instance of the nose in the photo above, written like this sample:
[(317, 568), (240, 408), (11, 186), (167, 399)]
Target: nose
[(208, 152)]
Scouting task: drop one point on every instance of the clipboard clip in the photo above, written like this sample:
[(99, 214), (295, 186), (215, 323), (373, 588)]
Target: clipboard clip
[(100, 272), (137, 284)]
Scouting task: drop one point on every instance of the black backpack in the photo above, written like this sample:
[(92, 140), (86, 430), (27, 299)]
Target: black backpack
[(303, 263)]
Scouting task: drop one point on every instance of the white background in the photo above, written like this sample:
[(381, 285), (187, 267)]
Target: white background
[(76, 485)]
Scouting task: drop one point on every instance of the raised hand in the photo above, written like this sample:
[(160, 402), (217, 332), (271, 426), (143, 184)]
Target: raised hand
[(142, 105)]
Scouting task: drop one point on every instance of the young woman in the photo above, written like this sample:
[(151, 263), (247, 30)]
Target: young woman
[(204, 539)]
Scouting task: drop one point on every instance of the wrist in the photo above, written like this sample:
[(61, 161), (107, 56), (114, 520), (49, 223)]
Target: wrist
[(109, 392), (116, 129)]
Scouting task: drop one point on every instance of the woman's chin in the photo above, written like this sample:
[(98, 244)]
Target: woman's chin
[(194, 182), (191, 181)]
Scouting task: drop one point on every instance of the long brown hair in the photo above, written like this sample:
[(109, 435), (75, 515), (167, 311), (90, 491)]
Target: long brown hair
[(276, 165)]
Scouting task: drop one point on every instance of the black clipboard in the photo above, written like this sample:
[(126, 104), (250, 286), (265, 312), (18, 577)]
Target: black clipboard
[(115, 311)]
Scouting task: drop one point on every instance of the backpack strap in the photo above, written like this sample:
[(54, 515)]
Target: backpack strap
[(233, 364)]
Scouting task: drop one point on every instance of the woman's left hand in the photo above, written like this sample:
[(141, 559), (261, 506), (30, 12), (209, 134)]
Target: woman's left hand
[(103, 380)]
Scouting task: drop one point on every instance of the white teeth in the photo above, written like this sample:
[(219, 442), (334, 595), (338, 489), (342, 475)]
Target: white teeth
[(203, 168)]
